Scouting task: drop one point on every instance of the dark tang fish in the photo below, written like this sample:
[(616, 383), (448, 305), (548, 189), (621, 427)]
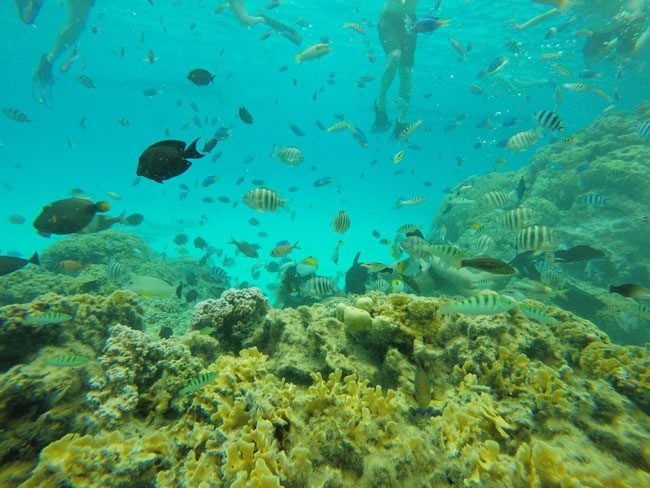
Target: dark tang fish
[(68, 216), (491, 265), (9, 264), (578, 253), (200, 77), (166, 159)]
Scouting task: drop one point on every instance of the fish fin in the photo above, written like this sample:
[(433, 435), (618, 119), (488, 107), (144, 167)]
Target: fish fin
[(192, 152)]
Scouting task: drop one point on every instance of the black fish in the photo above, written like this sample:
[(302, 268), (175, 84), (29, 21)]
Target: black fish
[(9, 264), (166, 159), (180, 239), (245, 115), (525, 263), (631, 290), (296, 130), (67, 216), (578, 253), (165, 332), (200, 77), (135, 219), (356, 277), (521, 189), (491, 265), (191, 278), (191, 296)]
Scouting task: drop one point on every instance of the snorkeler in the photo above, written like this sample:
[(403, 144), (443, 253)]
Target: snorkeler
[(239, 10), (398, 42), (78, 11)]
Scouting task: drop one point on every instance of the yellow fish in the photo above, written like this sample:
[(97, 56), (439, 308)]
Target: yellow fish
[(313, 52)]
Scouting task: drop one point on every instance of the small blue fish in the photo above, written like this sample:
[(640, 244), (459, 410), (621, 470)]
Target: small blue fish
[(209, 180), (583, 167), (359, 136), (222, 133), (296, 130), (428, 24), (327, 180), (555, 166)]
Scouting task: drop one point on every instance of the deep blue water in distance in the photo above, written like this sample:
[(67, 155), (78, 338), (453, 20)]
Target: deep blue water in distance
[(38, 166)]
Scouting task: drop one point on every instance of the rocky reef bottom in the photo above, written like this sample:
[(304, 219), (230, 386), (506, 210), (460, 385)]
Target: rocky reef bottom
[(376, 390)]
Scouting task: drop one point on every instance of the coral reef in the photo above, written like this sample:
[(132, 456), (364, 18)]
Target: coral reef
[(432, 399), (607, 159), (237, 317)]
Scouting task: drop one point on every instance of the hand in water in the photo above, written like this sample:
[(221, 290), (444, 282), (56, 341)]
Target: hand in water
[(42, 82)]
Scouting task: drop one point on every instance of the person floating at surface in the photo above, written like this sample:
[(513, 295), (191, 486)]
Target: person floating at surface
[(398, 41), (78, 11), (239, 10)]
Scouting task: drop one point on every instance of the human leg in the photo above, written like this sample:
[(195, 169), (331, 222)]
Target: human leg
[(43, 80), (239, 10), (381, 118), (404, 91), (28, 9)]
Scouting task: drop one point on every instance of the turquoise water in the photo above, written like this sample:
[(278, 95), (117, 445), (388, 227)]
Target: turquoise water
[(42, 162)]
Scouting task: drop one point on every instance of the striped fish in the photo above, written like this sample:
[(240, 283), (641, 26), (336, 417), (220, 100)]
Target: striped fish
[(481, 304), (483, 243), (408, 228), (341, 222), (497, 198), (553, 279), (448, 252), (116, 272), (377, 284), (537, 238), (642, 310), (517, 218), (410, 202), (67, 361), (264, 199), (220, 275), (522, 141), (290, 155), (593, 200), (563, 70), (319, 286), (408, 131), (586, 88), (47, 318), (199, 382), (456, 200), (87, 82), (549, 120), (17, 115), (535, 311), (643, 129)]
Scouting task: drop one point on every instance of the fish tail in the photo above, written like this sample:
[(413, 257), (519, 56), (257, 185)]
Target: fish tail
[(34, 259), (191, 151)]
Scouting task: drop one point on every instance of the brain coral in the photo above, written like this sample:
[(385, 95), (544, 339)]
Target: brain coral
[(237, 317)]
